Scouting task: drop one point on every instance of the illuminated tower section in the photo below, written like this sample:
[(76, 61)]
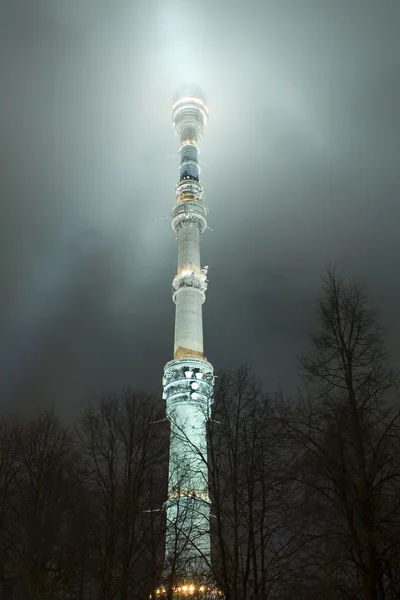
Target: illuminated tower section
[(188, 378)]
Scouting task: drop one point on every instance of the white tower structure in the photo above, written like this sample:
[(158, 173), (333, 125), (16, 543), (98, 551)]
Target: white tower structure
[(188, 378)]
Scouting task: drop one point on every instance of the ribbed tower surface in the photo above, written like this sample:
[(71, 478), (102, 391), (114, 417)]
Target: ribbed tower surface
[(188, 378)]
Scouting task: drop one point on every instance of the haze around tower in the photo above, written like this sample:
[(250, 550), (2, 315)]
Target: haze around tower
[(303, 171)]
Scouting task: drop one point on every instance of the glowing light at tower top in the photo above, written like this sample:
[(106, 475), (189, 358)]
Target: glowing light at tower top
[(189, 116)]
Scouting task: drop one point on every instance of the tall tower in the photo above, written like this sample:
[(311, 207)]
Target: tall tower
[(188, 378)]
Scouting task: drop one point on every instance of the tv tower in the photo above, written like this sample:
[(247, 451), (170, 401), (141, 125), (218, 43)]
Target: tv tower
[(188, 378)]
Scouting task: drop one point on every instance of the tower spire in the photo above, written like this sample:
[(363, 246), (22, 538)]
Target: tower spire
[(188, 378)]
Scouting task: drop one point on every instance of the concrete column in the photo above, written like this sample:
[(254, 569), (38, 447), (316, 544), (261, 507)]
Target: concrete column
[(188, 323), (188, 316), (189, 247)]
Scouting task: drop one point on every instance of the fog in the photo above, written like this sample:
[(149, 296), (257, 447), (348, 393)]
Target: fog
[(301, 171)]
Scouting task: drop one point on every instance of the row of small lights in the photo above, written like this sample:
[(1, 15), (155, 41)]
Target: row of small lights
[(183, 588), (190, 494), (188, 142), (190, 589), (186, 197)]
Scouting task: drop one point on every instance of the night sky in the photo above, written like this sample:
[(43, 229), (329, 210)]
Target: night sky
[(302, 149)]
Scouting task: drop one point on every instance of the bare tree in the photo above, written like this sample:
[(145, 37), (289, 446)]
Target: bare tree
[(346, 431), (10, 436), (121, 456), (144, 453), (250, 490), (43, 501)]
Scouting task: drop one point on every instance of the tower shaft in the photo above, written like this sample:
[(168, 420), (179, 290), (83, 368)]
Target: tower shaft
[(188, 378), (188, 318)]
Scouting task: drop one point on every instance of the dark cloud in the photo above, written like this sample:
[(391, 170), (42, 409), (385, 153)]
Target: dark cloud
[(303, 170)]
